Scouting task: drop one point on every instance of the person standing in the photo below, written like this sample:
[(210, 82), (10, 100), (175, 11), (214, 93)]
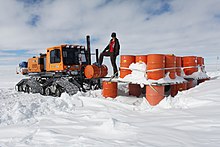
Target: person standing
[(112, 50)]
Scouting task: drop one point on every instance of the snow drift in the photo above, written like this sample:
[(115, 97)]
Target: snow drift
[(87, 119)]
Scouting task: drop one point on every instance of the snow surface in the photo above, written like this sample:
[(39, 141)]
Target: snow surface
[(192, 118), (197, 75), (138, 76)]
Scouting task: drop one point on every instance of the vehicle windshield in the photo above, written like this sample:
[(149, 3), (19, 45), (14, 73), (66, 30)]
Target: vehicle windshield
[(73, 56)]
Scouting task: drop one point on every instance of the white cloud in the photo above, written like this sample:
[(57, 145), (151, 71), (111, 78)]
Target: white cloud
[(188, 28)]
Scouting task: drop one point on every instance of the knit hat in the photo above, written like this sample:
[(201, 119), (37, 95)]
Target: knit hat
[(113, 34)]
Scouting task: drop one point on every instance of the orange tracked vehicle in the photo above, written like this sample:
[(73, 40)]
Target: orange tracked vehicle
[(61, 69)]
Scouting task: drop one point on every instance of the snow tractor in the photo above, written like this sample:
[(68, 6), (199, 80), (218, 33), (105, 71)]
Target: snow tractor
[(63, 68)]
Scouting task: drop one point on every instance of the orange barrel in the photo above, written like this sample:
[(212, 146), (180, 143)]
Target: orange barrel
[(170, 62), (178, 65), (104, 71), (189, 84), (174, 90), (93, 71), (182, 86), (155, 61), (109, 89), (154, 94), (189, 63), (200, 62), (141, 58), (125, 62), (134, 89)]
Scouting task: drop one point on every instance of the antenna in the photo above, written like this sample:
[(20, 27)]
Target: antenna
[(217, 64)]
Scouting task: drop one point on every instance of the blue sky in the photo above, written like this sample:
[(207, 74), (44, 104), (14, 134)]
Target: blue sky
[(181, 27)]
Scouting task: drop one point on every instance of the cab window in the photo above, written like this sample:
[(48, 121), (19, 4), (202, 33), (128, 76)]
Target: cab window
[(55, 56)]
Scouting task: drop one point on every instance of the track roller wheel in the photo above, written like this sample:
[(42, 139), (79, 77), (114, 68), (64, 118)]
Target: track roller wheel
[(30, 90), (27, 89), (48, 91), (58, 92), (42, 91), (18, 88), (23, 88)]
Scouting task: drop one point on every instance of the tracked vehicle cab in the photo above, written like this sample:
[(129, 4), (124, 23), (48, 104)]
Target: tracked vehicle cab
[(66, 57)]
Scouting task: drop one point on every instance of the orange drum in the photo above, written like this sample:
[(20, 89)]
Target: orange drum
[(178, 66), (174, 90), (155, 62), (154, 94), (141, 58), (109, 89), (125, 62), (200, 62), (104, 71), (134, 89), (170, 61), (182, 86), (189, 63), (190, 84), (93, 71)]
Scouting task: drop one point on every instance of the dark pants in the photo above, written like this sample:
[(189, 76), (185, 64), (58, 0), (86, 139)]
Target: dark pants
[(113, 60)]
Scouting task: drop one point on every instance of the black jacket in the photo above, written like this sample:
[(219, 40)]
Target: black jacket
[(116, 47)]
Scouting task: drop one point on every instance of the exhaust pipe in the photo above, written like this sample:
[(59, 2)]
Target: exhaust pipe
[(97, 55), (88, 49)]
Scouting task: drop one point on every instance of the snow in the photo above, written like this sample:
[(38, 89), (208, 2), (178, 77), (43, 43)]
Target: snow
[(197, 75), (138, 76), (192, 118)]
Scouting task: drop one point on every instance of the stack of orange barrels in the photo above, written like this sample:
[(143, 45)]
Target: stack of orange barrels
[(155, 71)]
